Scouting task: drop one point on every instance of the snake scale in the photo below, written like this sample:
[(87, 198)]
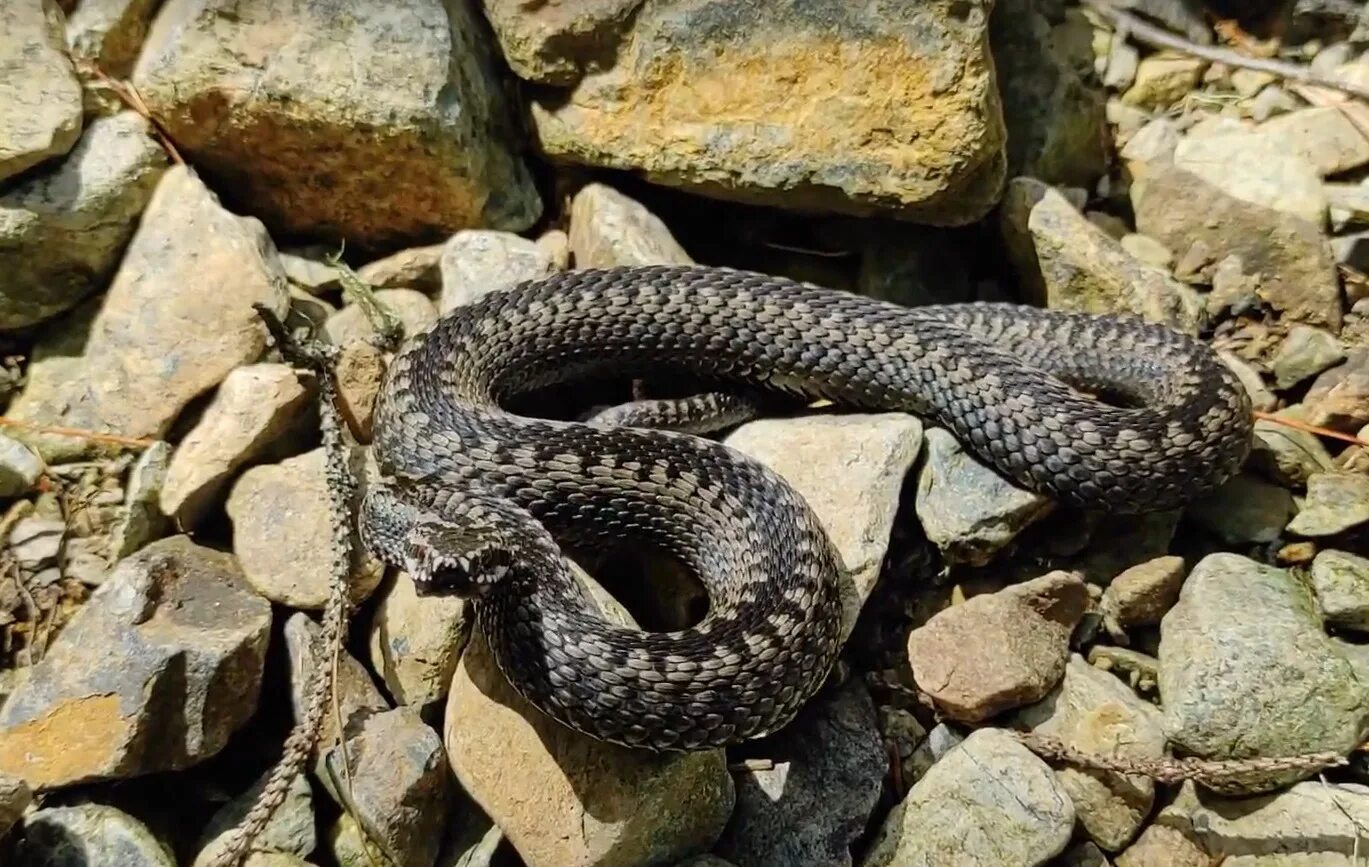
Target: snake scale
[(1101, 413)]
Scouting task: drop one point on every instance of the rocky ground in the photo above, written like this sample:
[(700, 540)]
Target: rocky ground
[(166, 531)]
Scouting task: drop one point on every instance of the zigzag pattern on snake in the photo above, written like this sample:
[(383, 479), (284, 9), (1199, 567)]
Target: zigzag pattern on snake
[(476, 500)]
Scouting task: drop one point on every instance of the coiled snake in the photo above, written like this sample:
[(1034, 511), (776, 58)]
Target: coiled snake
[(473, 499)]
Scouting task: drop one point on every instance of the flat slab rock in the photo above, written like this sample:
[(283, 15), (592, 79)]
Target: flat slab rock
[(174, 641), (733, 100), (989, 800), (1247, 670), (998, 650), (382, 122)]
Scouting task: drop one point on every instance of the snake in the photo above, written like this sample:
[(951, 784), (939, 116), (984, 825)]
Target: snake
[(478, 497)]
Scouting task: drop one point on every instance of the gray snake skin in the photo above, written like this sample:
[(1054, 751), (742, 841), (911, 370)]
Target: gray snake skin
[(475, 500)]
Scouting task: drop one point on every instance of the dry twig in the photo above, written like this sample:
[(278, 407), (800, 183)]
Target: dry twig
[(1309, 428), (93, 436), (1158, 37), (128, 94)]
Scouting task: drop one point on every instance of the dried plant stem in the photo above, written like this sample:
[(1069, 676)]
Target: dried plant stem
[(93, 436), (1308, 428), (1161, 38)]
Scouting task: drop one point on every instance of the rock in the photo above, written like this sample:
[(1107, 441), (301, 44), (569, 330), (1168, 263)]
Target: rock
[(1261, 398), (63, 228), (154, 673), (1244, 509), (968, 510), (1286, 454), (110, 32), (411, 307), (989, 801), (1153, 144), (19, 467), (15, 797), (1070, 264), (913, 266), (555, 43), (255, 406), (308, 269), (1324, 137), (919, 132), (1252, 167), (176, 320), (1287, 258), (1246, 670), (1310, 823), (565, 800), (360, 374), (476, 262), (1272, 102), (1148, 250), (1248, 82), (399, 789), (142, 520), (1163, 846), (1335, 503), (850, 469), (416, 642), (90, 835), (1162, 79), (608, 229), (1341, 581), (283, 531), (1339, 397), (357, 700), (1141, 595), (1140, 671), (1055, 119), (1096, 713), (290, 830), (40, 95), (1306, 352), (379, 124), (414, 268), (998, 650), (813, 804)]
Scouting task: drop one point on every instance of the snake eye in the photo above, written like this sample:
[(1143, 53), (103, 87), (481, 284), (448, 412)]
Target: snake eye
[(469, 573)]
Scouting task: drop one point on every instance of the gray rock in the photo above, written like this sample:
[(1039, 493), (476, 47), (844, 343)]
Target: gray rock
[(19, 467), (1341, 581), (176, 320), (90, 835), (142, 520), (1335, 503), (608, 229), (968, 510), (998, 651), (1094, 712), (476, 262), (1245, 509), (1141, 595), (412, 308), (153, 673), (1162, 79), (1323, 136), (360, 372), (555, 43), (1068, 263), (15, 797), (850, 469), (1252, 167), (395, 784), (565, 800), (416, 642), (255, 406), (40, 95), (283, 531), (309, 270), (989, 801), (939, 741), (1154, 143), (1286, 259), (1055, 118), (63, 228), (1161, 845), (1246, 670), (357, 698), (812, 805), (1286, 454), (757, 123), (290, 830), (377, 123), (414, 268), (1306, 352), (110, 32), (1146, 249), (1339, 397)]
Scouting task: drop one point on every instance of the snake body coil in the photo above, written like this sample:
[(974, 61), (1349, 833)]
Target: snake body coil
[(474, 499)]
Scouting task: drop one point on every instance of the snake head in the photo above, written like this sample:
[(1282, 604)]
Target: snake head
[(449, 561)]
